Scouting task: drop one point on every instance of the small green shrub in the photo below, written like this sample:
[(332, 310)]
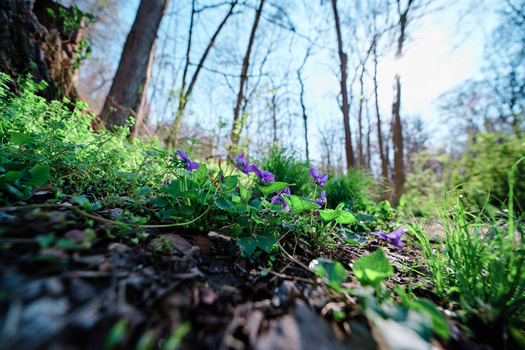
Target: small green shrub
[(283, 163), (34, 131), (353, 189), (484, 166)]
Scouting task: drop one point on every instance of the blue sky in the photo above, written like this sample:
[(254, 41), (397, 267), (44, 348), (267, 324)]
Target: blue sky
[(444, 49)]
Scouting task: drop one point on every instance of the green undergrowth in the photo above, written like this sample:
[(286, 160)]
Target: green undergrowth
[(268, 208), (479, 265)]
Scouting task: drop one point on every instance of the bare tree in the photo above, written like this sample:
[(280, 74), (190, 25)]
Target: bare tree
[(237, 124), (397, 129), (345, 106), (185, 93), (301, 99), (127, 95), (382, 153)]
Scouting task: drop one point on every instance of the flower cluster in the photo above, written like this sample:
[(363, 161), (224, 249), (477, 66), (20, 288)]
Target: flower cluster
[(242, 165), (319, 179), (278, 199), (188, 164)]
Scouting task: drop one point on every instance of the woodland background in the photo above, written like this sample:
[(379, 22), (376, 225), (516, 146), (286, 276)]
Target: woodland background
[(240, 77)]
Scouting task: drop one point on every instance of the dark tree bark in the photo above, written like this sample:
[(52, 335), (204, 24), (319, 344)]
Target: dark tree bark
[(185, 93), (345, 107), (384, 158), (127, 95), (397, 132), (361, 158), (303, 107), (237, 123), (34, 42)]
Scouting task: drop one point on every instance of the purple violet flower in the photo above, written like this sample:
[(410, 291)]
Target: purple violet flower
[(278, 199), (264, 176), (241, 164), (188, 164), (393, 237), (319, 179), (321, 201)]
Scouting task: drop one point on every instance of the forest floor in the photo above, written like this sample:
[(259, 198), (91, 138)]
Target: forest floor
[(180, 285)]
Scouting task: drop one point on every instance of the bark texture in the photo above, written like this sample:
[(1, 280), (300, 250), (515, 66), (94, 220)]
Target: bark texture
[(345, 107), (32, 41), (127, 95), (397, 132)]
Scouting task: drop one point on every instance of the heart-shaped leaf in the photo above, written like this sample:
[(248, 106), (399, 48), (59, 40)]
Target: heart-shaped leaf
[(300, 204), (372, 269)]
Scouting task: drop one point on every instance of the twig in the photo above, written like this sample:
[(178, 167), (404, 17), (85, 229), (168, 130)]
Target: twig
[(94, 217)]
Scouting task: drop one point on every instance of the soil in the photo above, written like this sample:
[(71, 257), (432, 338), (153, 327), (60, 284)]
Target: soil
[(195, 285)]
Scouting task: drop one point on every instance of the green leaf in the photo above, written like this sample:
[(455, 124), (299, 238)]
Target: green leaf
[(21, 139), (162, 202), (401, 328), (248, 245), (329, 215), (221, 217), (345, 218), (12, 176), (13, 190), (300, 204), (39, 174), (167, 213), (231, 183), (352, 238), (372, 269), (186, 210), (439, 323), (332, 272), (245, 194), (82, 201), (93, 206), (224, 204), (266, 242), (243, 221), (116, 334), (143, 190), (255, 204), (240, 208), (268, 188)]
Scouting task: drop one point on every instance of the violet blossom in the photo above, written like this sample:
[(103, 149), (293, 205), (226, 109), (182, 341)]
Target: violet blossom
[(319, 179), (241, 164), (188, 164), (322, 200), (278, 199), (264, 176), (393, 237)]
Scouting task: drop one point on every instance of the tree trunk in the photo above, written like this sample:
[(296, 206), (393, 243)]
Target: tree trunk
[(238, 124), (384, 158), (127, 95), (345, 107), (397, 143), (397, 132), (34, 42), (361, 160), (303, 107)]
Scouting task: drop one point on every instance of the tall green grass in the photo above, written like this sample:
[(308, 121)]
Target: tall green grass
[(480, 265), (284, 164), (354, 189)]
